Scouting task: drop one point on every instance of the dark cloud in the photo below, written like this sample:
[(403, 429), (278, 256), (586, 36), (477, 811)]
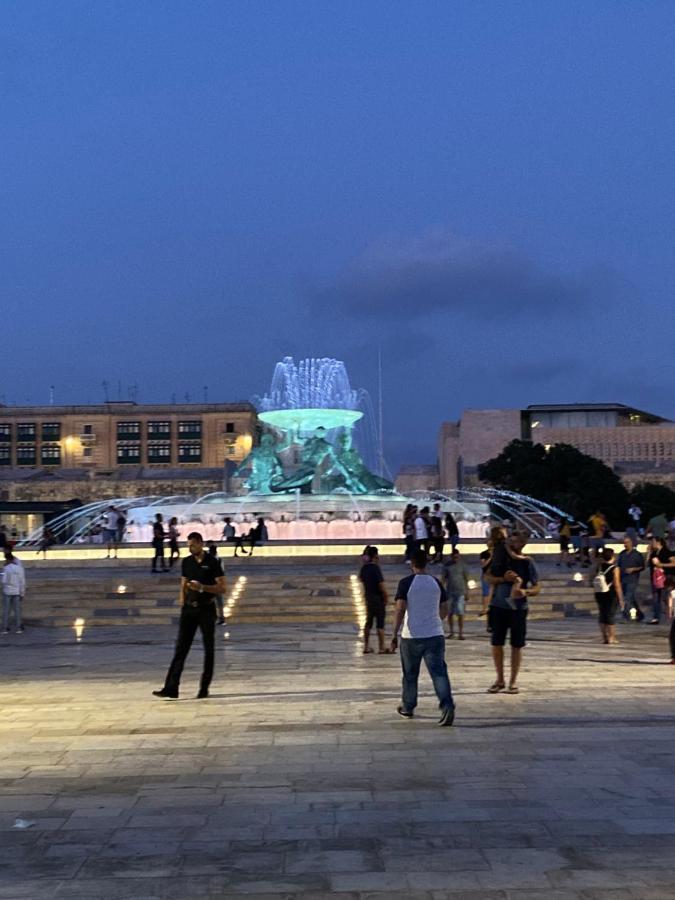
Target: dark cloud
[(441, 274), (541, 371)]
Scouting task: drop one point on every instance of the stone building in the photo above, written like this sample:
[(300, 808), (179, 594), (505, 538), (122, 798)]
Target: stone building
[(56, 455), (638, 445)]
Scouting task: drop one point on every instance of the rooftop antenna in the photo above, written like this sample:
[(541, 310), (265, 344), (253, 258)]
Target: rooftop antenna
[(51, 395), (173, 398), (104, 385), (119, 390)]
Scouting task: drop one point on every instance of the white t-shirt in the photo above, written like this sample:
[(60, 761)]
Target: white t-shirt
[(421, 533), (423, 595), (110, 520)]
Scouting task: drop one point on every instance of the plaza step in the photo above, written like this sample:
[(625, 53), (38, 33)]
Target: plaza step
[(257, 593)]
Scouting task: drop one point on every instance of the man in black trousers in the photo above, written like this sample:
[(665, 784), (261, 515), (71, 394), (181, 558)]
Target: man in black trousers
[(202, 580)]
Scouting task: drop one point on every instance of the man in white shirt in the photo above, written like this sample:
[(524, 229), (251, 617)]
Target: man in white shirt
[(421, 606), (109, 522), (13, 589), (421, 525)]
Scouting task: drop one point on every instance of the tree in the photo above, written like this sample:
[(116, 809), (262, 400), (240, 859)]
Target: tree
[(653, 499), (561, 475)]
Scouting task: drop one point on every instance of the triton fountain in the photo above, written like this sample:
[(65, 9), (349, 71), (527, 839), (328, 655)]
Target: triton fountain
[(306, 477)]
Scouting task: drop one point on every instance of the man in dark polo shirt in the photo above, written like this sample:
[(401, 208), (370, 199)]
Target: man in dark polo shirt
[(372, 580), (202, 580)]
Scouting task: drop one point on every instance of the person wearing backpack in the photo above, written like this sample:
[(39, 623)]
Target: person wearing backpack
[(661, 567), (608, 594)]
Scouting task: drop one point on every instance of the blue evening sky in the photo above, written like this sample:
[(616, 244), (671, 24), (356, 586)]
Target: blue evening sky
[(192, 190)]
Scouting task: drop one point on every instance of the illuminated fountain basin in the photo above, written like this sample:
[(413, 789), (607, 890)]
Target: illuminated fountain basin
[(307, 420), (301, 517)]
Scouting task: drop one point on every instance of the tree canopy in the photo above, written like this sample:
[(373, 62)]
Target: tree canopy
[(653, 499), (561, 475)]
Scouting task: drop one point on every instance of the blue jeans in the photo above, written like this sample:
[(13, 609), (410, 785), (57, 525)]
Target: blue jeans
[(432, 651), (629, 587), (658, 597), (10, 601)]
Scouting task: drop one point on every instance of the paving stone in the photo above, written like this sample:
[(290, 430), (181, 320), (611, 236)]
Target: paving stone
[(297, 779)]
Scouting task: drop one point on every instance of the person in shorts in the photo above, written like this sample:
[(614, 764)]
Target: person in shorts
[(513, 585), (610, 600), (109, 524), (372, 580), (456, 580)]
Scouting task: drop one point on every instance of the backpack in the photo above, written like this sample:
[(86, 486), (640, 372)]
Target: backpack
[(600, 583)]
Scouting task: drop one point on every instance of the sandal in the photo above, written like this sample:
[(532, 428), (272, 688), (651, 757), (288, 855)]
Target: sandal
[(496, 687), (512, 689)]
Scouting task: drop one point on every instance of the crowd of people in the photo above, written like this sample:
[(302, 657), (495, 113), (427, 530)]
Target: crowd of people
[(429, 609)]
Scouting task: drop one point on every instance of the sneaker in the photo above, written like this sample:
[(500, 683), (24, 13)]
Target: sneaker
[(448, 716), (5, 631), (19, 631), (404, 713), (165, 695), (202, 695), (653, 621)]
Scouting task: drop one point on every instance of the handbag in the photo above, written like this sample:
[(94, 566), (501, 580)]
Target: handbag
[(658, 578)]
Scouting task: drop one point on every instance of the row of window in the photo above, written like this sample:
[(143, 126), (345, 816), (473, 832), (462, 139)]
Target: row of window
[(27, 456), (130, 452), (629, 452), (50, 455), (51, 431)]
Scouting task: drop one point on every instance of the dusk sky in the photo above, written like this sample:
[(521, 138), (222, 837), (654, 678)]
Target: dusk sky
[(485, 190)]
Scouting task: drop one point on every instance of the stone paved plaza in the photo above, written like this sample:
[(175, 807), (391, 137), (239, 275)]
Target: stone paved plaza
[(297, 778)]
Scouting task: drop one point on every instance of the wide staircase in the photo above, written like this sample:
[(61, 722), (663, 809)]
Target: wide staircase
[(311, 592)]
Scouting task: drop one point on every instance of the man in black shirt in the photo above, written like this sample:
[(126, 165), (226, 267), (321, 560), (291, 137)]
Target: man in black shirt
[(371, 578), (202, 580)]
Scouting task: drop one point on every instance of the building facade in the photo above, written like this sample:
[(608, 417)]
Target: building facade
[(118, 436), (638, 445), (53, 457)]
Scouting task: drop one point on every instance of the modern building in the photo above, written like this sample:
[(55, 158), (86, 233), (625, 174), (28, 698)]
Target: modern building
[(60, 454), (638, 445)]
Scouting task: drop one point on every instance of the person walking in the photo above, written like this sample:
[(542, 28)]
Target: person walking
[(409, 516), (630, 563), (436, 533), (451, 529), (661, 571), (13, 591), (229, 531), (375, 592), (158, 536), (174, 534), (608, 594), (121, 526), (514, 578), (422, 530), (109, 524), (201, 580), (635, 515), (421, 606), (598, 532), (456, 578), (564, 537)]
